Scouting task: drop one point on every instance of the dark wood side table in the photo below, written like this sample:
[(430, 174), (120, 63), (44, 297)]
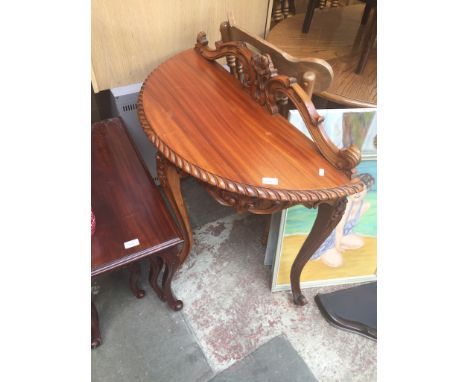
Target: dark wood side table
[(229, 132), (132, 220)]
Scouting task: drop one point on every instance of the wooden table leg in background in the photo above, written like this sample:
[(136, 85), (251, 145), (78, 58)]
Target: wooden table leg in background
[(329, 215), (171, 263), (135, 271), (170, 182), (156, 266), (95, 332)]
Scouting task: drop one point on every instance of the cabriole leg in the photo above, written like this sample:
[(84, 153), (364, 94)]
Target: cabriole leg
[(96, 339), (329, 215), (169, 272), (156, 265), (170, 181), (135, 272)]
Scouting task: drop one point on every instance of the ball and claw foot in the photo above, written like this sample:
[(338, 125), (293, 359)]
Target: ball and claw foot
[(300, 300)]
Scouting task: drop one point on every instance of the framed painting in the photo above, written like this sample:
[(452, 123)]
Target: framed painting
[(349, 254)]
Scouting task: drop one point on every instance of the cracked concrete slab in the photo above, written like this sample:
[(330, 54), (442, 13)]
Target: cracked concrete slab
[(228, 302)]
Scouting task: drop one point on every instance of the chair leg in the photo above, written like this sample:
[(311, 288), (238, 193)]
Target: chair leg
[(367, 9), (309, 15), (369, 43)]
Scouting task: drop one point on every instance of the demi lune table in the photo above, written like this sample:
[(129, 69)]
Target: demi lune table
[(230, 133)]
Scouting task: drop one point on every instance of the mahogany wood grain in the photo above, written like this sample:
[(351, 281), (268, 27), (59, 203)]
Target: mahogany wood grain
[(125, 201), (205, 116), (336, 35)]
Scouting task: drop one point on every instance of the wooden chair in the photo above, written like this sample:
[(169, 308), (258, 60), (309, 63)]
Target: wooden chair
[(313, 74), (281, 10), (370, 37), (313, 4)]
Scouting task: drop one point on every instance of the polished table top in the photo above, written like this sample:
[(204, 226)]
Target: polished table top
[(206, 124), (126, 202), (336, 36)]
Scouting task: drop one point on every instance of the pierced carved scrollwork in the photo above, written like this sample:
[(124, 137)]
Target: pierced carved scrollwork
[(243, 203), (269, 89), (264, 70), (161, 165), (238, 49)]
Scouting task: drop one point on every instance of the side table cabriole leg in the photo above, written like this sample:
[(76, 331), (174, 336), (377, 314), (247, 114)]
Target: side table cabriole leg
[(170, 181), (156, 266), (96, 339), (171, 261), (329, 215), (171, 266), (135, 272)]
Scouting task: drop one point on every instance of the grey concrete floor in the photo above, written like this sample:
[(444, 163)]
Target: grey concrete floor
[(143, 340), (275, 361)]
